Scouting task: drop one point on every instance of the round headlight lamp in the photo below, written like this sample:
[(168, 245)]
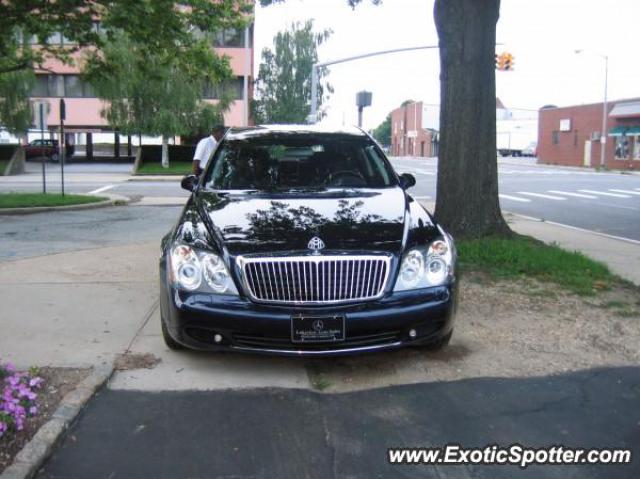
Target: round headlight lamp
[(215, 273), (186, 267), (412, 268)]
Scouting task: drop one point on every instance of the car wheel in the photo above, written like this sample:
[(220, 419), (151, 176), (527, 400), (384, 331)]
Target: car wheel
[(438, 344), (55, 158), (168, 340)]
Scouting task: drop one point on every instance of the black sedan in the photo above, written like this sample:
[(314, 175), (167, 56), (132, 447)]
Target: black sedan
[(301, 240)]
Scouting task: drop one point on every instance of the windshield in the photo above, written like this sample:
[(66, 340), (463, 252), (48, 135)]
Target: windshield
[(299, 162)]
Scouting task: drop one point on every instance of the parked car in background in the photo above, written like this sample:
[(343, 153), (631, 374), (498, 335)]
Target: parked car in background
[(298, 240), (42, 149), (530, 150)]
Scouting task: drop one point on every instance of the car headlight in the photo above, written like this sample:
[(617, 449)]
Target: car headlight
[(426, 266), (193, 270)]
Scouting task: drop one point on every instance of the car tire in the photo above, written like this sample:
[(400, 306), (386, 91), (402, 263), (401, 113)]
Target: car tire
[(168, 340), (439, 344), (55, 158)]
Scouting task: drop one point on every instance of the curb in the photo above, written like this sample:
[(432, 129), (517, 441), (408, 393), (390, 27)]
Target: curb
[(33, 455), (151, 178), (113, 200)]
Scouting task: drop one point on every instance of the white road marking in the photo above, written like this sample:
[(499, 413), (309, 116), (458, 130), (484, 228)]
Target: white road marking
[(621, 238), (540, 195), (100, 190), (515, 198), (577, 195), (422, 197), (625, 191), (615, 195), (420, 171)]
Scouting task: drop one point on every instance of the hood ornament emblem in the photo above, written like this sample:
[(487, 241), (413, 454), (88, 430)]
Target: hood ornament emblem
[(315, 245)]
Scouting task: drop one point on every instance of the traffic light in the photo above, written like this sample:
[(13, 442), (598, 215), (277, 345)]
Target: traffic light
[(508, 61), (504, 61)]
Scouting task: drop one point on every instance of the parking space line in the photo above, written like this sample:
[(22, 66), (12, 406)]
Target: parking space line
[(615, 195), (100, 190), (515, 198), (577, 195), (540, 195), (625, 191)]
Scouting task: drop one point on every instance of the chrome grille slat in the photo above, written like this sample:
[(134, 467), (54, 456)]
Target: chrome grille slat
[(315, 279)]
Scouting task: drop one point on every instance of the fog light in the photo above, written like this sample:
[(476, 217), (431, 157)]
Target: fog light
[(413, 333), (217, 338)]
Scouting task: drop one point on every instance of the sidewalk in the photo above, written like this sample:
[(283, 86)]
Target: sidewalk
[(622, 256)]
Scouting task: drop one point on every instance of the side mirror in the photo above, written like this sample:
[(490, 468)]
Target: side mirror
[(189, 182), (407, 180)]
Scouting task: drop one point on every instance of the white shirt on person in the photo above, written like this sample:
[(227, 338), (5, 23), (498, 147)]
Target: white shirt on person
[(204, 148)]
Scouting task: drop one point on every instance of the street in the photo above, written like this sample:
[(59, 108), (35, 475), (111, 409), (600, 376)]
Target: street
[(605, 202)]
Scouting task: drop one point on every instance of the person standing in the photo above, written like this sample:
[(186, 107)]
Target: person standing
[(205, 148)]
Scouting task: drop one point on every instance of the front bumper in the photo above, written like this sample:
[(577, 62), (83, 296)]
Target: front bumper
[(194, 319)]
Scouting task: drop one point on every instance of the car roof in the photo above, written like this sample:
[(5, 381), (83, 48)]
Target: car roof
[(251, 132)]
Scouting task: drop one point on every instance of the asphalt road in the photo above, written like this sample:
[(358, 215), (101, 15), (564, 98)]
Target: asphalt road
[(278, 433), (605, 202)]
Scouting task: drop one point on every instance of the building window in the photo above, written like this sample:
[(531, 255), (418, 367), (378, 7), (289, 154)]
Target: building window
[(229, 37), (59, 86), (636, 147), (56, 85), (555, 137), (234, 88), (73, 86), (622, 147)]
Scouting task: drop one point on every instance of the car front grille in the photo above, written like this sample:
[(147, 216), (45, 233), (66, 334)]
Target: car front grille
[(315, 279)]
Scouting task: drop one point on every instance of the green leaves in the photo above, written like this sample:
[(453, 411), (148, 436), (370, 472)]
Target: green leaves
[(283, 85)]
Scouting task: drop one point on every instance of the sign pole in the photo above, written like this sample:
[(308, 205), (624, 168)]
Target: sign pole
[(63, 141), (44, 176)]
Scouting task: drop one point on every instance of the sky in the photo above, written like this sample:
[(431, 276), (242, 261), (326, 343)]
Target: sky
[(541, 34)]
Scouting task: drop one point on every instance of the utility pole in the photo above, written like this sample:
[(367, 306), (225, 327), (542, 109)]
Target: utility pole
[(63, 141), (313, 115), (603, 134)]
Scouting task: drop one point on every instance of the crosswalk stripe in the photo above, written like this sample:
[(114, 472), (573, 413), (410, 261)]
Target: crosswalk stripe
[(615, 195), (514, 198), (100, 190), (540, 195), (625, 191), (577, 195)]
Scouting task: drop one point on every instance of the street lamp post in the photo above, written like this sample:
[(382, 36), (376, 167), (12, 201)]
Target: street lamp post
[(603, 134), (312, 118)]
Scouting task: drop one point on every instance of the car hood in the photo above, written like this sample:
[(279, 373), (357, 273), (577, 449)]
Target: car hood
[(255, 222)]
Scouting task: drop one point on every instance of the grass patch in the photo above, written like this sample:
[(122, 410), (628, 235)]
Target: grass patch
[(30, 200), (178, 168), (525, 257), (3, 166)]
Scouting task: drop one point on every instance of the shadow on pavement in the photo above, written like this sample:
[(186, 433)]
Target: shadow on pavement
[(278, 433)]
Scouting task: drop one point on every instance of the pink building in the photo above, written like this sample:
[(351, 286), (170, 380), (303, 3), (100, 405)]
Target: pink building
[(83, 120)]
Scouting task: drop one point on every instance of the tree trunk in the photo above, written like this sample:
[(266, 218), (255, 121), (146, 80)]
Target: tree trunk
[(467, 202), (165, 152)]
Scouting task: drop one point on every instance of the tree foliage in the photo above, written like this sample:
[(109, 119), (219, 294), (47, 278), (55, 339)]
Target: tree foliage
[(283, 84), (15, 108), (382, 132), (155, 94), (162, 31), (156, 25)]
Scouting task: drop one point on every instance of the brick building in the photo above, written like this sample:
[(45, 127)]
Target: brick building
[(571, 135), (409, 137)]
